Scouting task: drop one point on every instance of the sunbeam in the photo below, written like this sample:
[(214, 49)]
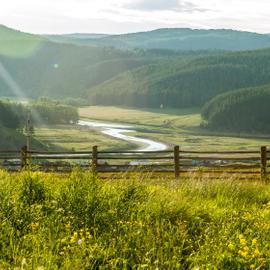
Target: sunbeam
[(16, 89)]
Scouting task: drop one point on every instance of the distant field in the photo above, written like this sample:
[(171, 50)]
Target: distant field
[(152, 117), (76, 138), (173, 126)]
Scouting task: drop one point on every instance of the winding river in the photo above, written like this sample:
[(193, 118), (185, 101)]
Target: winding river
[(120, 131)]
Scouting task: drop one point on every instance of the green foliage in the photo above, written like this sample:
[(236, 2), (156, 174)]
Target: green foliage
[(32, 191), (8, 118), (50, 221), (184, 82), (49, 111), (243, 110), (76, 102), (13, 118)]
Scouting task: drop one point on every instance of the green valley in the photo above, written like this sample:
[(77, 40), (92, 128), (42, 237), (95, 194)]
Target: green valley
[(138, 76)]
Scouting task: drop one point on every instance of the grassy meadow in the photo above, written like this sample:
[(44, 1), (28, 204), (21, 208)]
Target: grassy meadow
[(174, 126), (170, 126), (76, 138), (78, 221)]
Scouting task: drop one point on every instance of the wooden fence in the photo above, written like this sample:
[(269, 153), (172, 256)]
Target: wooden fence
[(176, 161)]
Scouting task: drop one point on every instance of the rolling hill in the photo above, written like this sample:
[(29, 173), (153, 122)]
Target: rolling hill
[(242, 110), (184, 83), (32, 66), (174, 39)]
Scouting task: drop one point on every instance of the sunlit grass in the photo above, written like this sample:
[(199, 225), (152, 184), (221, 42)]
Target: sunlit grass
[(18, 44), (174, 127), (77, 221), (77, 138), (154, 117)]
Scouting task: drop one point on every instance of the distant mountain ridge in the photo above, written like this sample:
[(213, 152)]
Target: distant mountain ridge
[(174, 39), (75, 38)]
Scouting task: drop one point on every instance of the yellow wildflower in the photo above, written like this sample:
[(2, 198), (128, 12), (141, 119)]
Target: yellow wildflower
[(254, 242), (34, 226), (231, 246), (248, 216), (74, 238), (256, 253), (243, 253), (243, 241)]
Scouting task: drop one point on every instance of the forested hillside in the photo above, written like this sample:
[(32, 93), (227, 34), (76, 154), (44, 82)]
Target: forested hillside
[(59, 70), (174, 39), (184, 83), (10, 138), (13, 117), (245, 110)]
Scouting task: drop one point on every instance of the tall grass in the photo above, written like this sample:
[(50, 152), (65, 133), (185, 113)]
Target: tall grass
[(50, 221)]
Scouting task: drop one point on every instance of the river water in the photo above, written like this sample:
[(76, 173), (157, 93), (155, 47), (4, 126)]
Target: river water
[(120, 131)]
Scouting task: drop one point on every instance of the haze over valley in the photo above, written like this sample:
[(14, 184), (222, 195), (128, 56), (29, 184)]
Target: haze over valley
[(165, 68)]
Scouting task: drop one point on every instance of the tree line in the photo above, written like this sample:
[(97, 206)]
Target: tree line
[(43, 111)]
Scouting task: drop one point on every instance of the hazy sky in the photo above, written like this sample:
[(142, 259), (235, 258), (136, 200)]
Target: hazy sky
[(120, 16)]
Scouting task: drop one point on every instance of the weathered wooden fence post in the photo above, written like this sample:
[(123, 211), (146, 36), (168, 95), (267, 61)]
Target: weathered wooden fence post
[(263, 163), (176, 162), (23, 156), (95, 159)]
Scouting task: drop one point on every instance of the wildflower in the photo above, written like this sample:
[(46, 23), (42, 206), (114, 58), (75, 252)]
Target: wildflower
[(252, 266), (254, 242), (34, 226), (79, 242), (64, 240), (88, 235), (243, 253), (248, 216), (256, 253), (242, 239), (23, 263), (231, 246), (74, 237)]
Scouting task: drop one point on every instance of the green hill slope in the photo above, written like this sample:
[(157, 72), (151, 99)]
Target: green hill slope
[(55, 69), (18, 44), (243, 110), (184, 83)]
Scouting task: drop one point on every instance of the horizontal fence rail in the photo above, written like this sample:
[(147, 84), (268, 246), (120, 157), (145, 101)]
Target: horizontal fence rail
[(176, 161)]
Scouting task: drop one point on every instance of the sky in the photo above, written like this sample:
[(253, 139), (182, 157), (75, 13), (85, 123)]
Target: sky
[(123, 16)]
